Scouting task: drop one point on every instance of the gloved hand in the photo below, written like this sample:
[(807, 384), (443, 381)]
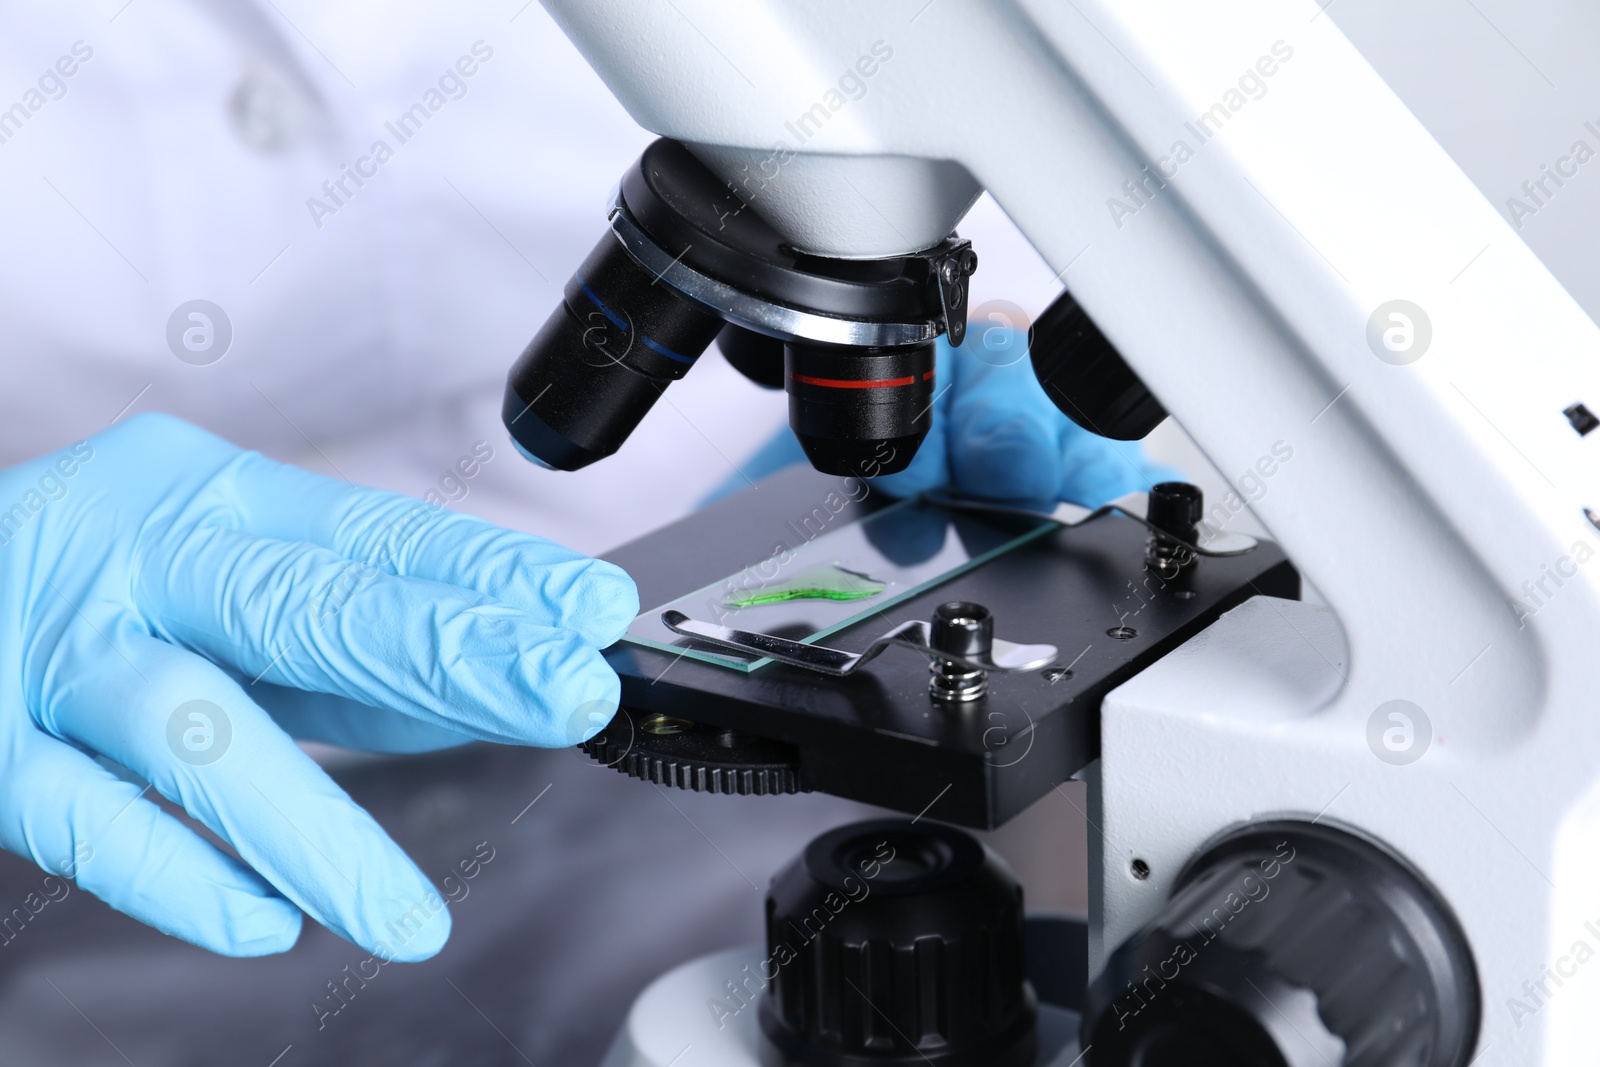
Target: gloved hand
[(996, 436), (176, 607)]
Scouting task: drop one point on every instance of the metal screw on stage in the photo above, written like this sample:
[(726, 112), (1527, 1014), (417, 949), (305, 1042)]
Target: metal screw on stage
[(1175, 508), (960, 628)]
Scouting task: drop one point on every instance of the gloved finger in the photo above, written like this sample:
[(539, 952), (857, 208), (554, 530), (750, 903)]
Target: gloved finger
[(298, 615), (188, 729), (334, 720), (1083, 466), (75, 819), (1000, 418), (1004, 429), (413, 538), (1096, 470)]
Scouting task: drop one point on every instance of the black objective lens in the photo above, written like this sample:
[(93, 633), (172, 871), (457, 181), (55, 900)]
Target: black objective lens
[(859, 412), (605, 355), (1086, 377), (756, 356)]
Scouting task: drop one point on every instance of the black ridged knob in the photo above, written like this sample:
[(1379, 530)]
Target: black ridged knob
[(897, 943), (1289, 945)]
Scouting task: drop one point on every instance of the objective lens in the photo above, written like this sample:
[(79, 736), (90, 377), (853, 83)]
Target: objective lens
[(859, 412), (601, 360), (1087, 378), (754, 355)]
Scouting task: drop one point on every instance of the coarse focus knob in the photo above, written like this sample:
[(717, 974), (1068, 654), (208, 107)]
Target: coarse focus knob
[(1289, 945), (892, 942)]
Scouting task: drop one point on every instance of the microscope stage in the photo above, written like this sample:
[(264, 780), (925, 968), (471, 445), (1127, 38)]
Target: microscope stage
[(877, 736)]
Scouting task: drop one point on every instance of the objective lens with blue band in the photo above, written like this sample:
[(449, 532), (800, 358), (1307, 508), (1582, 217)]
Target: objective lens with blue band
[(602, 360), (620, 322)]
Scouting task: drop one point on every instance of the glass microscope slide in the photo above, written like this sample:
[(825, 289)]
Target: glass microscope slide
[(813, 587)]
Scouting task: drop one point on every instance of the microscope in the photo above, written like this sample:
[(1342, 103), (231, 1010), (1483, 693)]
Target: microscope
[(1358, 829)]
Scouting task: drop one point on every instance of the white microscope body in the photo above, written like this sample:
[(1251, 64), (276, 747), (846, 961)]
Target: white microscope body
[(1293, 266)]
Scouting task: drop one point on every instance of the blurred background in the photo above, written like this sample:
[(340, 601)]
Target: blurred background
[(185, 158)]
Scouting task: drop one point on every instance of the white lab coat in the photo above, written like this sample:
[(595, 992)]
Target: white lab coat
[(185, 158)]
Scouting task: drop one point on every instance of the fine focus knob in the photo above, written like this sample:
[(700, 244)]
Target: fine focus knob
[(1289, 945), (895, 943)]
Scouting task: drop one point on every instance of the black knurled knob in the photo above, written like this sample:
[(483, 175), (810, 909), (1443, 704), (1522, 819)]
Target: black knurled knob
[(1289, 945), (895, 943)]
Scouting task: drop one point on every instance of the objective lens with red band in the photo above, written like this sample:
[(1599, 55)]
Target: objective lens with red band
[(845, 383), (859, 411)]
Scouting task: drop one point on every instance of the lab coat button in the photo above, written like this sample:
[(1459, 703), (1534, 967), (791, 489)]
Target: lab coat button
[(267, 111)]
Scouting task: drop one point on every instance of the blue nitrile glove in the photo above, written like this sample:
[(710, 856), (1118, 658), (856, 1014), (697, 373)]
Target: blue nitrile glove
[(995, 436), (156, 582)]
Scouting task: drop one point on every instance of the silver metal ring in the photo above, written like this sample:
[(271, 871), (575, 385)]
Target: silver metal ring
[(752, 312)]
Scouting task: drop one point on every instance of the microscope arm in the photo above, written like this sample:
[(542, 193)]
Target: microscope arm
[(1244, 207)]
